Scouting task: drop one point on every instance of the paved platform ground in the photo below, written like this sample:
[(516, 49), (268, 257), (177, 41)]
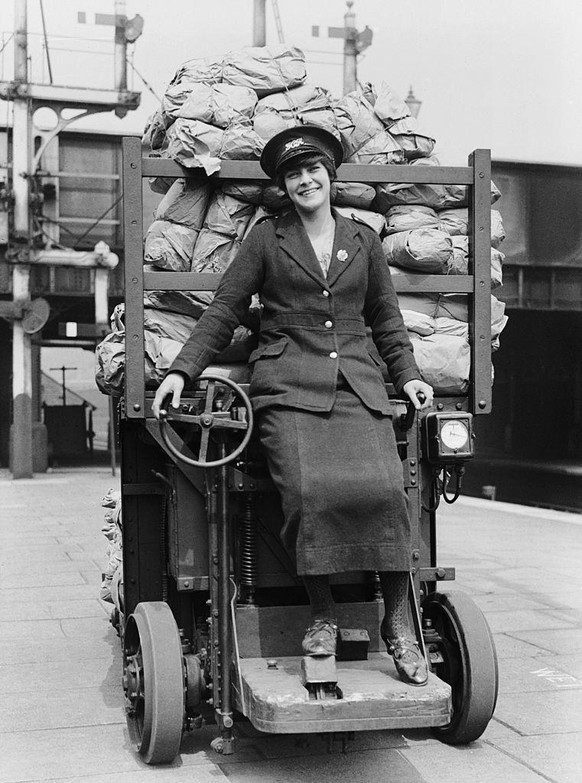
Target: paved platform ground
[(61, 705)]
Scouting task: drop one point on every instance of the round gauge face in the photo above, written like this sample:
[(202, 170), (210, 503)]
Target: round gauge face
[(454, 435)]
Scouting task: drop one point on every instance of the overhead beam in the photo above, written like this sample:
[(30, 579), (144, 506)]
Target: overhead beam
[(69, 97)]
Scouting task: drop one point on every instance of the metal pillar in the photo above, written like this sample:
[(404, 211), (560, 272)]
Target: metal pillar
[(350, 50), (21, 431), (27, 97), (101, 283), (259, 23)]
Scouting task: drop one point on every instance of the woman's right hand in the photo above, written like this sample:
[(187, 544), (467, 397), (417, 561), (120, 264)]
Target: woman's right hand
[(173, 384)]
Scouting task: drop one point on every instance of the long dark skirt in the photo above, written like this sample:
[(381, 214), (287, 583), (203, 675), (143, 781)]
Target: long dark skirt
[(341, 485)]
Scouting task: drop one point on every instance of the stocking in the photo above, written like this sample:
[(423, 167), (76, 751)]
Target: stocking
[(320, 597), (395, 591)]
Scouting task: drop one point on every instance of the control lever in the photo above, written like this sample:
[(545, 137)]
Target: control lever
[(407, 419)]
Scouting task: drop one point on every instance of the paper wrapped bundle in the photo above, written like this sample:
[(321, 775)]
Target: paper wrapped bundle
[(224, 227), (275, 199), (394, 114), (163, 339), (160, 184), (414, 143), (438, 327), (302, 105), (436, 196), (169, 246), (210, 112), (110, 364), (154, 135), (191, 303), (173, 326), (498, 321), (251, 192), (214, 104), (444, 357), (363, 135), (388, 105), (186, 203), (265, 69), (422, 308), (112, 530), (426, 250), (456, 222), (352, 194), (196, 144), (159, 353), (200, 69), (258, 214), (410, 217), (459, 263), (439, 333), (418, 322), (372, 219)]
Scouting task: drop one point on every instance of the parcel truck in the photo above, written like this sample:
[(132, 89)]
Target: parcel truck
[(211, 613)]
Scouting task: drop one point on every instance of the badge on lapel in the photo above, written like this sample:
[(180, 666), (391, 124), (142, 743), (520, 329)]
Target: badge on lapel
[(342, 255)]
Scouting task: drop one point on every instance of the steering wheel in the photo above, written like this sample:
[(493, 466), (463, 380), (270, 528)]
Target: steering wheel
[(215, 416)]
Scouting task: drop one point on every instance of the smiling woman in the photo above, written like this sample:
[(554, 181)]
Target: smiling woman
[(308, 186), (323, 414)]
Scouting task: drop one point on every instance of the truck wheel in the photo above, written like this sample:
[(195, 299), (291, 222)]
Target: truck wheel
[(465, 658), (153, 681)]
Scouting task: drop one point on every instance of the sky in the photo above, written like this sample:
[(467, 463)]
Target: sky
[(501, 74)]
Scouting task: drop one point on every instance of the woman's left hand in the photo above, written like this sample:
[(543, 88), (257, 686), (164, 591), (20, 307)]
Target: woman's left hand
[(420, 393)]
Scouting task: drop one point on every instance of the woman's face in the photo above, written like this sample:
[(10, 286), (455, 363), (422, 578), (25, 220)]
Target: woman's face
[(308, 186)]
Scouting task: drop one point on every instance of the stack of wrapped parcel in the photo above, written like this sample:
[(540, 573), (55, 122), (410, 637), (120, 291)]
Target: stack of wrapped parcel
[(227, 108)]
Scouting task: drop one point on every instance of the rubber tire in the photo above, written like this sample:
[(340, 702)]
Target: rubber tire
[(157, 733), (470, 665)]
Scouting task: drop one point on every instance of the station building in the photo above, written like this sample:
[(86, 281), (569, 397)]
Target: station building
[(529, 450)]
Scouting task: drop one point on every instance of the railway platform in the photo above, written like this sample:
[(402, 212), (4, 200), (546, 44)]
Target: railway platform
[(61, 700)]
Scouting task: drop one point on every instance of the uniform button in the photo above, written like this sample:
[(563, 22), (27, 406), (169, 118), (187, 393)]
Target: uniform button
[(333, 355), (325, 293), (328, 324)]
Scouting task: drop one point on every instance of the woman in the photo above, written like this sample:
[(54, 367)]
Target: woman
[(323, 414)]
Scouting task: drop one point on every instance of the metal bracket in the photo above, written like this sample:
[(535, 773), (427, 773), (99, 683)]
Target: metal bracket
[(437, 574), (143, 489), (242, 482)]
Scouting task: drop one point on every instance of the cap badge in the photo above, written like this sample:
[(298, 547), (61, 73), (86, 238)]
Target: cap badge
[(342, 255), (291, 145)]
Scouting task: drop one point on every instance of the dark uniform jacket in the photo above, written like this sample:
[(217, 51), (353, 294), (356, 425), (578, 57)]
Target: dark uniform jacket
[(311, 327)]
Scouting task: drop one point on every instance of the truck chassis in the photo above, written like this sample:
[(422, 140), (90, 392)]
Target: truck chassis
[(212, 612)]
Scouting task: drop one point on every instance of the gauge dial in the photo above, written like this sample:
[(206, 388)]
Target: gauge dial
[(454, 435)]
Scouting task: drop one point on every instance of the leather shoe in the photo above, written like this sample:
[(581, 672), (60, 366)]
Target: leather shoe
[(320, 638), (408, 659)]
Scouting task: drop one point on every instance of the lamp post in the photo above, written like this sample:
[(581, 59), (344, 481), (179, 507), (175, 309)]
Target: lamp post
[(413, 103)]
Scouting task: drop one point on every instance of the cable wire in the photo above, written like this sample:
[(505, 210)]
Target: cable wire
[(46, 45), (150, 88), (96, 223), (10, 37), (459, 471)]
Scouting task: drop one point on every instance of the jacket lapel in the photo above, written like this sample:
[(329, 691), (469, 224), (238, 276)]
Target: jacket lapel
[(294, 241), (345, 248)]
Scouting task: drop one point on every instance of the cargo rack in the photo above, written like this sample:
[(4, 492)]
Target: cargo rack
[(477, 284)]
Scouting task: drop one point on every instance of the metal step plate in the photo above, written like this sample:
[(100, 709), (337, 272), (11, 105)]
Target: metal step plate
[(372, 697)]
